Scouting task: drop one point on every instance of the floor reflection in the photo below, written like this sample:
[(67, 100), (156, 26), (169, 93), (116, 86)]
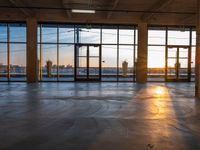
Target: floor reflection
[(99, 116)]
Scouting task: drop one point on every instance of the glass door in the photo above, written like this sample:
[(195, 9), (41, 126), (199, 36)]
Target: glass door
[(81, 62), (178, 63), (94, 63), (171, 63), (88, 62), (185, 64)]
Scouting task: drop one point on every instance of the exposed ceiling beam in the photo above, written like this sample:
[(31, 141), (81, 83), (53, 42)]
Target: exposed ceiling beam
[(102, 10), (65, 4), (69, 14), (188, 18), (19, 3), (90, 2), (116, 2), (159, 5)]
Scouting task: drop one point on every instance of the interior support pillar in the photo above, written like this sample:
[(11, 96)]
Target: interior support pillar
[(141, 67), (32, 60), (197, 80)]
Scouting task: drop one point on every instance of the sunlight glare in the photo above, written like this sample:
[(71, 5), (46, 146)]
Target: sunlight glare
[(159, 91)]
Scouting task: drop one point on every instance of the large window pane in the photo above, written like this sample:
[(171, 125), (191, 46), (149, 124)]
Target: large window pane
[(49, 62), (18, 62), (194, 38), (49, 33), (66, 34), (109, 63), (88, 35), (66, 62), (3, 32), (109, 35), (136, 36), (156, 37), (38, 57), (193, 64), (178, 37), (70, 34), (126, 64), (17, 33), (3, 62), (126, 36), (38, 34), (156, 63)]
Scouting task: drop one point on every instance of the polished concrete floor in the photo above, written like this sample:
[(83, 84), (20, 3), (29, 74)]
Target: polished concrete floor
[(99, 116)]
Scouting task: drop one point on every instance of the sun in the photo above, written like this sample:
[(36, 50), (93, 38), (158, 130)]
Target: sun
[(159, 91)]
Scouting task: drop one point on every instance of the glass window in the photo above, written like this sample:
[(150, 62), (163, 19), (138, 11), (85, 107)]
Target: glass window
[(39, 70), (156, 63), (109, 62), (156, 37), (157, 52), (66, 62), (49, 62), (194, 38), (109, 35), (66, 34), (49, 33), (38, 34), (18, 62), (193, 64), (3, 62), (126, 36), (88, 34), (126, 65), (178, 37), (17, 57), (17, 33), (3, 32), (136, 36)]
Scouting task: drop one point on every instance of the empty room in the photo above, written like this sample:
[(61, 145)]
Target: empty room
[(99, 74)]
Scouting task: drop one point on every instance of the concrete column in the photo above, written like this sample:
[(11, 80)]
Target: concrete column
[(197, 81), (141, 66), (32, 60)]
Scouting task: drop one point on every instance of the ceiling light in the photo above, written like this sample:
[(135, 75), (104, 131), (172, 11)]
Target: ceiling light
[(83, 11)]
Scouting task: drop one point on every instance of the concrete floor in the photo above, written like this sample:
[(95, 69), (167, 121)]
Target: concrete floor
[(99, 116)]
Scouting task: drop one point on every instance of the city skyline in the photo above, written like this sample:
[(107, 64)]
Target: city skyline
[(66, 51)]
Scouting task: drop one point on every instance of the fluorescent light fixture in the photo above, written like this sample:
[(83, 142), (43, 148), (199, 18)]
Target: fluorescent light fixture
[(83, 11)]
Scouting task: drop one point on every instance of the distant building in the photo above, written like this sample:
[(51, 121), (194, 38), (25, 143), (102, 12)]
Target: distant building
[(69, 66)]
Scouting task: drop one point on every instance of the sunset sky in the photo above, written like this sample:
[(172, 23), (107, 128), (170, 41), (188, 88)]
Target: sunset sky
[(156, 54)]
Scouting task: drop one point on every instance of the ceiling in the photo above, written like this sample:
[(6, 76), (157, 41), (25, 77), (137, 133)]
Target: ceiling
[(155, 12)]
